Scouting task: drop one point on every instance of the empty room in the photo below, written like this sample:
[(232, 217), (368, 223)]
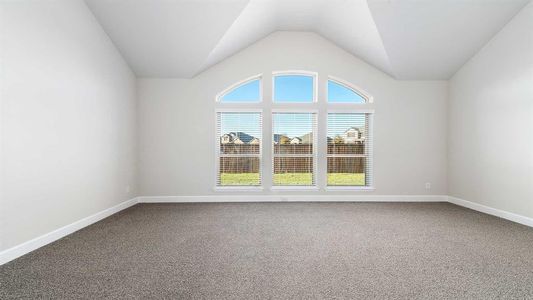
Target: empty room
[(266, 149)]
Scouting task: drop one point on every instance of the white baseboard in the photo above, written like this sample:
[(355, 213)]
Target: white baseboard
[(293, 198), (26, 247), (492, 211)]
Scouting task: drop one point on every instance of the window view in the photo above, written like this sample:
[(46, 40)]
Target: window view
[(339, 93), (347, 158), (293, 148), (247, 92), (348, 155), (294, 88), (239, 148)]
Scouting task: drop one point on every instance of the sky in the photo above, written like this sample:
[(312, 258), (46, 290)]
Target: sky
[(248, 92), (337, 93), (294, 89)]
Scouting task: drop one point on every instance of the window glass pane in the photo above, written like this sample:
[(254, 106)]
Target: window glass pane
[(338, 93), (247, 92), (293, 88), (347, 157), (239, 148), (239, 171), (293, 144), (293, 171)]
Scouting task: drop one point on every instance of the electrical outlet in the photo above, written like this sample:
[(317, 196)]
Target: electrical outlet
[(428, 185), (128, 189)]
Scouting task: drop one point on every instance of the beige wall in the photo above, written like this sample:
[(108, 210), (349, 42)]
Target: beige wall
[(68, 119), (409, 122), (490, 147)]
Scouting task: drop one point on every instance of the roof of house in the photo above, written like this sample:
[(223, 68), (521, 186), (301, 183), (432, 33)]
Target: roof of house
[(277, 137)]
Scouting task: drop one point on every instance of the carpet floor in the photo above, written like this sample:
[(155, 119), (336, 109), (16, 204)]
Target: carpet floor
[(282, 251)]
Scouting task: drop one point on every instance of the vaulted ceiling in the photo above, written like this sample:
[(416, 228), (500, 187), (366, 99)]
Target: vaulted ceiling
[(407, 39)]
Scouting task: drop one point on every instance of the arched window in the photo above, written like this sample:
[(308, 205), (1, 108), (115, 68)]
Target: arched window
[(293, 139), (246, 91), (340, 91)]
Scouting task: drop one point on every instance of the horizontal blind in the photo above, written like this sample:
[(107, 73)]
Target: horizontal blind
[(349, 149), (239, 139), (294, 149)]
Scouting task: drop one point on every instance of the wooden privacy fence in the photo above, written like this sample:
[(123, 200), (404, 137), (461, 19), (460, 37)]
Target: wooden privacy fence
[(338, 164)]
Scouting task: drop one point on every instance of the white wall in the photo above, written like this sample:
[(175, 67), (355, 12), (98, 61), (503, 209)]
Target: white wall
[(490, 146), (68, 119), (409, 123)]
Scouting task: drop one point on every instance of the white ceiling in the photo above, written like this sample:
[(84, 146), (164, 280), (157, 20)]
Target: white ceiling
[(408, 39)]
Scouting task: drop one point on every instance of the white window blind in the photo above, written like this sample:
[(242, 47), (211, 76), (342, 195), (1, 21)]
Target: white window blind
[(239, 148), (294, 148), (349, 152)]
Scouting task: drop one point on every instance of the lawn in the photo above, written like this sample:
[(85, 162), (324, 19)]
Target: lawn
[(239, 179), (346, 179), (292, 179)]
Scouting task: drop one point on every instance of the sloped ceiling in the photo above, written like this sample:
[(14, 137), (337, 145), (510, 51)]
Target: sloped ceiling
[(407, 39)]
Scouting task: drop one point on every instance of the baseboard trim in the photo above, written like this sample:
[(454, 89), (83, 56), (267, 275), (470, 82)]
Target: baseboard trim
[(31, 245), (492, 211), (293, 198), (38, 242)]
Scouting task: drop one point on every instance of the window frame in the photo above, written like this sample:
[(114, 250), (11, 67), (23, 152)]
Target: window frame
[(218, 154), (313, 75), (315, 149), (320, 106), (236, 85)]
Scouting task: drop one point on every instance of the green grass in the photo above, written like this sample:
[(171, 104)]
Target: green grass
[(346, 179), (239, 179), (292, 179)]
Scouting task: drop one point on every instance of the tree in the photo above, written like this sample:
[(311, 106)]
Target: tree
[(338, 140), (284, 140)]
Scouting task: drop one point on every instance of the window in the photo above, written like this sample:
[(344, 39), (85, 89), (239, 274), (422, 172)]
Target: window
[(294, 153), (248, 91), (336, 156), (239, 148), (295, 88), (349, 149), (341, 93)]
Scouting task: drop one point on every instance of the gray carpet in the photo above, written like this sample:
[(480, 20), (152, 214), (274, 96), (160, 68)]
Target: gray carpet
[(282, 251)]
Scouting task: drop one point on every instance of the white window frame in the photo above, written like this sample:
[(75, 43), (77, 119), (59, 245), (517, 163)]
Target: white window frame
[(313, 75), (320, 106), (218, 155), (314, 155)]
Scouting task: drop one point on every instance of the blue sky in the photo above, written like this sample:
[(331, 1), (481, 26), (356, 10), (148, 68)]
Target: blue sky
[(245, 93), (248, 123), (292, 124), (338, 123), (338, 93), (295, 88)]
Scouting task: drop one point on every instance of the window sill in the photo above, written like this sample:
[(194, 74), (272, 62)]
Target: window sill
[(350, 188), (238, 188), (294, 188)]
